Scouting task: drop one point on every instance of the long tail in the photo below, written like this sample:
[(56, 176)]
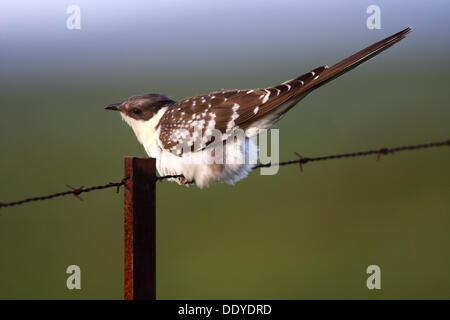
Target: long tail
[(294, 90), (355, 60)]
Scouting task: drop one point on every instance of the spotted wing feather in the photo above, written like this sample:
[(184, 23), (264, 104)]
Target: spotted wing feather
[(221, 110)]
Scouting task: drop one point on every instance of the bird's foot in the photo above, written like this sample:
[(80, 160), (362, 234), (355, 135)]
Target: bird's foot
[(184, 181)]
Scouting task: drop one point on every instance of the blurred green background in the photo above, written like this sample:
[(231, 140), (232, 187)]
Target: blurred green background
[(293, 235)]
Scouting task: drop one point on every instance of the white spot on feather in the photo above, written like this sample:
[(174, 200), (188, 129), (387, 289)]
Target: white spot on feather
[(266, 97), (234, 116)]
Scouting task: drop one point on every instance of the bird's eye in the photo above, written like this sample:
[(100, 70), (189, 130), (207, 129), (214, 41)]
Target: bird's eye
[(136, 111)]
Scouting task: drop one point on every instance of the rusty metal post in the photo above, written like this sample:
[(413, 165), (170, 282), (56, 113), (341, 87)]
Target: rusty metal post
[(140, 229)]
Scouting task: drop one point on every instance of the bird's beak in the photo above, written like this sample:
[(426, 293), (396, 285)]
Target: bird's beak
[(113, 106)]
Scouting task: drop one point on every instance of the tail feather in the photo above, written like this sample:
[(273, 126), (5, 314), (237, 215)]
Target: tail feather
[(355, 60), (286, 95)]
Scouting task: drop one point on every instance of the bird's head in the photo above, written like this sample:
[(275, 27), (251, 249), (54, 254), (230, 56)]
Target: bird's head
[(142, 112), (142, 107)]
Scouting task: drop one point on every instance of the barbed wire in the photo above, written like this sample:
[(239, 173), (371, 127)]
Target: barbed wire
[(379, 152), (75, 191), (300, 161)]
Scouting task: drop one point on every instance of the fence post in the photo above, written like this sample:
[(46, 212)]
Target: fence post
[(140, 229)]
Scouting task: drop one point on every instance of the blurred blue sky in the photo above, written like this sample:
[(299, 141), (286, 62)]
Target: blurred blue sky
[(125, 35)]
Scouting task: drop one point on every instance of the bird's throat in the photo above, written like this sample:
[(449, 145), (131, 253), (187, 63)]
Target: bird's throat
[(146, 131)]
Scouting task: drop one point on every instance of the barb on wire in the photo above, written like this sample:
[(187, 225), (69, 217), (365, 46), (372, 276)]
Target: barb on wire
[(300, 161)]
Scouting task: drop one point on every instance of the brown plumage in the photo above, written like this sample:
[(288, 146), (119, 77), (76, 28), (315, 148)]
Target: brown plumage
[(228, 110)]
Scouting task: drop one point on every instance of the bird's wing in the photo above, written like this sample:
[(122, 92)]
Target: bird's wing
[(194, 118), (225, 111)]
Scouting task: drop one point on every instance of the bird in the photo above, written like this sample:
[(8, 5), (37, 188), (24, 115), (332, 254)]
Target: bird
[(179, 133)]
